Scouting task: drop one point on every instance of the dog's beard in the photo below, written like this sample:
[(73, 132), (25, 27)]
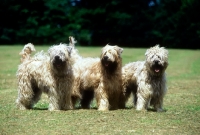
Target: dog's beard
[(109, 65), (59, 64), (156, 68)]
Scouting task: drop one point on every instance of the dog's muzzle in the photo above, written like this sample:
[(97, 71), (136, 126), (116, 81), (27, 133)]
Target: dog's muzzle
[(109, 65), (57, 62), (106, 61), (157, 67)]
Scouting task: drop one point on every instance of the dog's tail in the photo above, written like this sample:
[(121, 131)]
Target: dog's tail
[(26, 52), (72, 41), (74, 51)]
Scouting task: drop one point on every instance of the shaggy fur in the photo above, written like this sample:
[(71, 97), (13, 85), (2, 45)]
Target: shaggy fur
[(26, 52), (147, 79), (99, 77), (51, 74)]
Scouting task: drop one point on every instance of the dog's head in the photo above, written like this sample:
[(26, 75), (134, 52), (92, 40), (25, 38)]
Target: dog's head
[(60, 57), (156, 60), (111, 56)]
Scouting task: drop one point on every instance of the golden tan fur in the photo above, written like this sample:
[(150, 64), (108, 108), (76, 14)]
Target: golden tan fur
[(147, 79), (49, 73), (26, 52), (101, 76)]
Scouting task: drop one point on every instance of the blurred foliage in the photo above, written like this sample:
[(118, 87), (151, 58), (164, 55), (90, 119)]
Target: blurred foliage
[(138, 23)]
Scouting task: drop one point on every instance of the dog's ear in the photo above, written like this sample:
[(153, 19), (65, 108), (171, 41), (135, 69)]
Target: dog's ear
[(119, 49)]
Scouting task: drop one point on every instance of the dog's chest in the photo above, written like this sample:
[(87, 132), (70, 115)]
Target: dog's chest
[(156, 85)]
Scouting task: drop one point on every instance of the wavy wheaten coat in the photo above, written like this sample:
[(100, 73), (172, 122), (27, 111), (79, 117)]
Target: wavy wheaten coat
[(99, 77), (51, 74), (147, 79)]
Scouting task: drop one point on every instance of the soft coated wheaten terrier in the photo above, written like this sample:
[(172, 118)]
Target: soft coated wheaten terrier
[(49, 73), (99, 77), (26, 52), (147, 79)]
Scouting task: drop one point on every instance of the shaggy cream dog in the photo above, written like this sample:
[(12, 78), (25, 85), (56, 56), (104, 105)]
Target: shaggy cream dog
[(99, 77), (26, 52), (51, 74), (147, 79)]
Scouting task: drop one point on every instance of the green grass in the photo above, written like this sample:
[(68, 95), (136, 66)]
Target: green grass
[(182, 101)]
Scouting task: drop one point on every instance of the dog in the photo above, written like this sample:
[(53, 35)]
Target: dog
[(26, 52), (47, 73), (146, 79), (99, 78)]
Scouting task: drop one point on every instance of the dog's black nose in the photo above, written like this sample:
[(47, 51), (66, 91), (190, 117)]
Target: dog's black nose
[(105, 57), (156, 61), (57, 57)]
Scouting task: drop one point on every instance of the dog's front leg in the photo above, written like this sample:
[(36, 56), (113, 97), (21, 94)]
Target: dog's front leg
[(158, 105), (141, 103), (144, 95), (67, 104), (53, 100), (102, 100)]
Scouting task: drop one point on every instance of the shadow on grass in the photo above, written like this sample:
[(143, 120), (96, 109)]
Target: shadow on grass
[(148, 110), (153, 110), (79, 108), (37, 108), (95, 108)]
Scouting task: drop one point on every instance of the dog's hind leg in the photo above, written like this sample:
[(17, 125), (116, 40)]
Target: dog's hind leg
[(37, 92), (25, 97)]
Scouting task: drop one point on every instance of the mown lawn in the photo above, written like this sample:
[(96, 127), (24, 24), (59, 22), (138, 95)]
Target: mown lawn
[(182, 102)]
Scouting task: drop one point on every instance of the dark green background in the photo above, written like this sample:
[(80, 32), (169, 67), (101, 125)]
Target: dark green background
[(133, 23)]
